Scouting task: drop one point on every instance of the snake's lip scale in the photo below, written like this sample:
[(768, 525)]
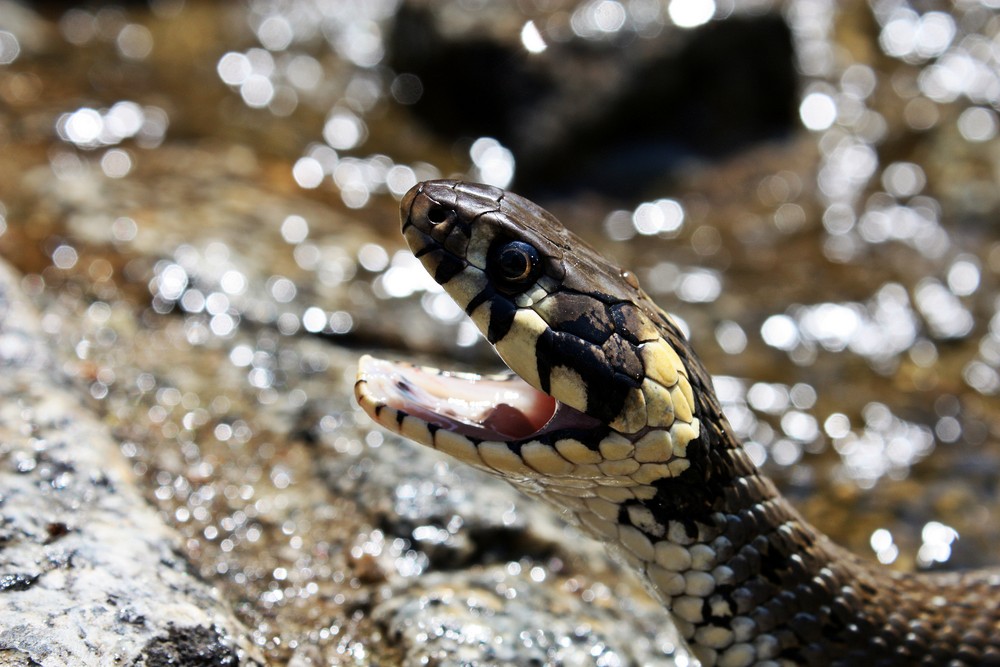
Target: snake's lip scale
[(480, 407), (611, 418)]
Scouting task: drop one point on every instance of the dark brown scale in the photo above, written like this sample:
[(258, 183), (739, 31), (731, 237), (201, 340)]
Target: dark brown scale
[(627, 321), (736, 529), (578, 315), (724, 548), (741, 569), (625, 359)]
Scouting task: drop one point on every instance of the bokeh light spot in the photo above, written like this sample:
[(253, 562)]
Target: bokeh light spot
[(978, 124), (780, 331), (344, 130), (691, 13), (9, 48), (818, 111), (134, 42), (532, 39), (407, 88), (494, 163), (308, 173)]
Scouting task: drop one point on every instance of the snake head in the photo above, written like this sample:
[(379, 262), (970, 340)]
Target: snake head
[(599, 404), (595, 376), (559, 315)]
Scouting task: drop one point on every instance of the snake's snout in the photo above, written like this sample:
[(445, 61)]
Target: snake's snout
[(406, 203), (427, 205)]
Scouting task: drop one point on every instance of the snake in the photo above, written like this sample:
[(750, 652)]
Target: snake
[(608, 415)]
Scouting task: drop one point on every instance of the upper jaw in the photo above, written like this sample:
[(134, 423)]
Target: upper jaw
[(467, 200), (496, 408)]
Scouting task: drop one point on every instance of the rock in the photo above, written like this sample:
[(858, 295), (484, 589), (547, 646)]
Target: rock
[(610, 111), (89, 572), (512, 616)]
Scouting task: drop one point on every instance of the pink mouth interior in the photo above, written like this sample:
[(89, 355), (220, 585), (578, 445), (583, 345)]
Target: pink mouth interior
[(489, 408)]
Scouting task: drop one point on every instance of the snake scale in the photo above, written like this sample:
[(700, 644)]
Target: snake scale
[(610, 417)]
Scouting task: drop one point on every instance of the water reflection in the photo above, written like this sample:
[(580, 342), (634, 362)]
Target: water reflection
[(91, 128), (893, 221), (493, 163), (9, 48), (532, 38), (937, 540), (691, 13), (882, 544), (887, 445), (978, 124)]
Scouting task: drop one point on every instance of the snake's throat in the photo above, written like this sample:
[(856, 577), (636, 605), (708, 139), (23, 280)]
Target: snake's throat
[(500, 407)]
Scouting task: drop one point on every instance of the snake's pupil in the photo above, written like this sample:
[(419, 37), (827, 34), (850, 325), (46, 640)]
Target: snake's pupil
[(513, 265), (514, 262)]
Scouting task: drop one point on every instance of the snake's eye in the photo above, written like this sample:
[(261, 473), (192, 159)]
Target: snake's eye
[(513, 265)]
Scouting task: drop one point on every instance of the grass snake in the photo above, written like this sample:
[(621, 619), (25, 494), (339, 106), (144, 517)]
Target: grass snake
[(610, 417)]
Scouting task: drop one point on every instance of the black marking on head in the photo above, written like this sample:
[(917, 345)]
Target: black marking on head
[(400, 416), (627, 321), (606, 392), (543, 361), (430, 247), (623, 357), (485, 295), (448, 267), (691, 497), (502, 313), (580, 315)]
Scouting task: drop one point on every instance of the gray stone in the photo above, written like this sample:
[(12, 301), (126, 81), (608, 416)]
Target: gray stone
[(88, 571), (509, 615)]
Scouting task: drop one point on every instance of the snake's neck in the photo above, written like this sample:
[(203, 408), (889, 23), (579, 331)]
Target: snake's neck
[(749, 581)]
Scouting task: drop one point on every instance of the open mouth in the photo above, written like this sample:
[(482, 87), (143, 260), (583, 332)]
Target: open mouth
[(482, 407)]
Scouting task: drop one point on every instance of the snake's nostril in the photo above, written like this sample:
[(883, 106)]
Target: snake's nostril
[(437, 214)]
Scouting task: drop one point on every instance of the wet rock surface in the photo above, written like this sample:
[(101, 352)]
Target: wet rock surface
[(200, 203), (88, 571), (498, 617)]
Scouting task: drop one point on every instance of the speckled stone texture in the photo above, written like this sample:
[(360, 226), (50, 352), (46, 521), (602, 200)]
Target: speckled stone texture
[(89, 574), (469, 621)]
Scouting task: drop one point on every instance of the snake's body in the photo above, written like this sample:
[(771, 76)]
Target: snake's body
[(614, 421)]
